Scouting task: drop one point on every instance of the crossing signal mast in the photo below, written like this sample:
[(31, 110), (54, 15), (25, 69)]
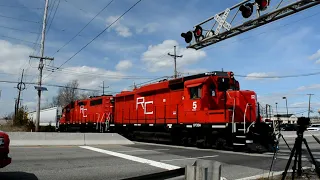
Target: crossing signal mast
[(265, 14)]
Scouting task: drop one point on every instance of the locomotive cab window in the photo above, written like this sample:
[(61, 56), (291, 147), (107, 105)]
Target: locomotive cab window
[(195, 92), (212, 89), (95, 102)]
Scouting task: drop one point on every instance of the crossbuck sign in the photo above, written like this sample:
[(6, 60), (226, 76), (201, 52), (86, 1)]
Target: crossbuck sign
[(222, 21)]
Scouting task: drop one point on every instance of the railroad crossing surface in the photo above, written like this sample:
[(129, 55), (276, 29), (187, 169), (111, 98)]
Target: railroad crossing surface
[(124, 161)]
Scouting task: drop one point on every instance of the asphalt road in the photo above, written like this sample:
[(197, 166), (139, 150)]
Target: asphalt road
[(79, 163)]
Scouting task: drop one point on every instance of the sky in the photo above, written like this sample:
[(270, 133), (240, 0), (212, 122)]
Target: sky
[(135, 49)]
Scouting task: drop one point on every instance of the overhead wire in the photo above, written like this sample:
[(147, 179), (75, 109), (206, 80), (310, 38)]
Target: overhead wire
[(97, 35), (19, 19), (44, 84), (278, 77), (10, 6), (18, 39), (54, 14), (32, 32), (83, 27)]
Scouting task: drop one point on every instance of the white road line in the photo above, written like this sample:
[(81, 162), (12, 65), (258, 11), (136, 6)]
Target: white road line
[(202, 157), (142, 150), (133, 158), (207, 150)]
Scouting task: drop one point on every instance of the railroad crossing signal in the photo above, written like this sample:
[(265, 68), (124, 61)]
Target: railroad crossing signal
[(246, 9), (222, 21)]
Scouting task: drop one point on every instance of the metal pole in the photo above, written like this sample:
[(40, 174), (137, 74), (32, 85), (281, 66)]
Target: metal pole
[(103, 88), (287, 109), (41, 63), (175, 61), (309, 104)]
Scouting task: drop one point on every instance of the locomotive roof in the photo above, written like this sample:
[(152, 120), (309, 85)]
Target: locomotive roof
[(165, 83)]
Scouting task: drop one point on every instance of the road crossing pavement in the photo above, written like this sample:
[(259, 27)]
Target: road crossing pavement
[(124, 161)]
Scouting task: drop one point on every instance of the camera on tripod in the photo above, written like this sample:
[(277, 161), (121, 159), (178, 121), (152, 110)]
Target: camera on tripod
[(303, 124)]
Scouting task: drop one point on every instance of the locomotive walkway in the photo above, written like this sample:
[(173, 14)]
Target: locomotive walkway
[(123, 161)]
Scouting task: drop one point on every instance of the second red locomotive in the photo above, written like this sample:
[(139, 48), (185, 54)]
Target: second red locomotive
[(207, 109)]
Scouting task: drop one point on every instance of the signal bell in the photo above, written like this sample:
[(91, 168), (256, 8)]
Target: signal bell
[(246, 10), (187, 36)]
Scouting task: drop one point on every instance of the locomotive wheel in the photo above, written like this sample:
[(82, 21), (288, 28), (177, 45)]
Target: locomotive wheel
[(221, 143)]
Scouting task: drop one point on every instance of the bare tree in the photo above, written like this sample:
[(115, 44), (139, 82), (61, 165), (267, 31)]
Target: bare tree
[(67, 94)]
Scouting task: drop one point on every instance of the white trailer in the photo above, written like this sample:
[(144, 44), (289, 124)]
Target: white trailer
[(48, 117)]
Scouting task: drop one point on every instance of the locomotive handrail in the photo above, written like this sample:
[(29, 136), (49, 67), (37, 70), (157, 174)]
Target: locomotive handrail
[(244, 118), (233, 109)]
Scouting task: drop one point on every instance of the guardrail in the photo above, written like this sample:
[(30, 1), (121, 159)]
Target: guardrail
[(201, 169)]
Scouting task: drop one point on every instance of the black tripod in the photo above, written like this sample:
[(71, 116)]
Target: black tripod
[(297, 151), (276, 147)]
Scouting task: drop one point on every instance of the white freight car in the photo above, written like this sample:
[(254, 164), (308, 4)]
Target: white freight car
[(48, 117)]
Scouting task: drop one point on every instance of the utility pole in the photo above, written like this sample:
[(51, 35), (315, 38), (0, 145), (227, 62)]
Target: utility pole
[(103, 87), (39, 88), (20, 88), (175, 61), (309, 104)]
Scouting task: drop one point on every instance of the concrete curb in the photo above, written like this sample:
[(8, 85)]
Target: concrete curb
[(75, 139)]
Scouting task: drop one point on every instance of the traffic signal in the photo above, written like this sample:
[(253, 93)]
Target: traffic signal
[(198, 33), (262, 4), (246, 10), (187, 36)]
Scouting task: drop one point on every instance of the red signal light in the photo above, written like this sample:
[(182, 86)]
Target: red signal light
[(262, 4), (246, 10), (198, 33)]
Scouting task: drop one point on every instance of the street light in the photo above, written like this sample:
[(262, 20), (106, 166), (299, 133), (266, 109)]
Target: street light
[(286, 106)]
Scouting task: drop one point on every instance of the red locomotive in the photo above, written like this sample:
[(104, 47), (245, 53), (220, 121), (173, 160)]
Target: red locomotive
[(207, 109)]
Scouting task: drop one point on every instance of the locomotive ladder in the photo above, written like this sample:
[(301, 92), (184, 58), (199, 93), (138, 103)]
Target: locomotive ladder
[(240, 132)]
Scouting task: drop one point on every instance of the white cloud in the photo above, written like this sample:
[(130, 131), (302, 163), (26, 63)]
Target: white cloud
[(121, 47), (314, 56), (259, 76), (304, 88), (88, 77), (149, 28), (156, 57), (13, 57), (318, 61), (121, 29), (123, 65)]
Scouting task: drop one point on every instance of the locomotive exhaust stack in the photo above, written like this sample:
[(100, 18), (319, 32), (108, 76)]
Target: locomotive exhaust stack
[(207, 109)]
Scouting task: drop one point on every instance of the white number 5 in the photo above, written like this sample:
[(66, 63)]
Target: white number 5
[(194, 105)]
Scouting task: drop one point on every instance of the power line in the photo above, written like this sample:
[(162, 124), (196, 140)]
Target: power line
[(285, 76), (83, 27), (9, 6), (19, 29), (98, 35), (54, 14), (75, 6), (19, 39), (52, 85), (19, 19)]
